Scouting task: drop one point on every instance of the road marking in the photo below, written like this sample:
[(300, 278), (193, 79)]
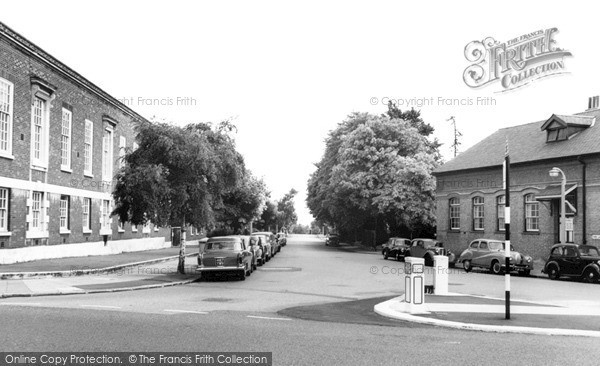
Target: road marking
[(21, 303), (186, 311), (101, 306), (266, 317)]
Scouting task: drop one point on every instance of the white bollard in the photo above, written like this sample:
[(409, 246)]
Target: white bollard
[(414, 283), (440, 274)]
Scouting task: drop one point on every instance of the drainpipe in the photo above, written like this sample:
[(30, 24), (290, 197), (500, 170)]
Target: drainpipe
[(583, 198)]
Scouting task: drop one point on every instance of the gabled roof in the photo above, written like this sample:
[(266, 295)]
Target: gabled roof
[(565, 120), (527, 144)]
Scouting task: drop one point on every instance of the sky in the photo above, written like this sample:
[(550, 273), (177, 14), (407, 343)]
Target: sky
[(287, 73)]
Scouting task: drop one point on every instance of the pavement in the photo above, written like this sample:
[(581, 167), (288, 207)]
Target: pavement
[(94, 274)]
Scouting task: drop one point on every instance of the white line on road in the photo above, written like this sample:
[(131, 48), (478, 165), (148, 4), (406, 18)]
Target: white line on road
[(21, 303), (101, 306), (266, 317), (186, 311)]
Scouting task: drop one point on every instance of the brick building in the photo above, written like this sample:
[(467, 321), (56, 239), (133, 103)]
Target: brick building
[(470, 198), (61, 137)]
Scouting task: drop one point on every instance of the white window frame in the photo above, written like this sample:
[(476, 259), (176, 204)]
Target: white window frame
[(454, 204), (122, 150), (65, 216), (65, 140), (86, 216), (478, 213), (107, 154), (37, 216), (40, 140), (9, 94), (88, 149), (4, 210), (530, 202)]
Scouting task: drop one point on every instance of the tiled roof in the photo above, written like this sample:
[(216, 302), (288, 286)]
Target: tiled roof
[(528, 143)]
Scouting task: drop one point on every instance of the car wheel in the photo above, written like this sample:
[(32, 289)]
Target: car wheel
[(467, 266), (242, 275), (553, 272), (428, 260), (496, 268), (254, 266), (591, 275), (386, 253)]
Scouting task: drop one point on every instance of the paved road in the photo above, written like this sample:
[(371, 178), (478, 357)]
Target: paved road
[(310, 305)]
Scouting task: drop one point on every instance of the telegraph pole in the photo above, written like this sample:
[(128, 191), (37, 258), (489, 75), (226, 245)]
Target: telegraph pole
[(506, 172), (457, 134)]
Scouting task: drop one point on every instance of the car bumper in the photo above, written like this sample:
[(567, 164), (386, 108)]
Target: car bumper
[(200, 269), (520, 267)]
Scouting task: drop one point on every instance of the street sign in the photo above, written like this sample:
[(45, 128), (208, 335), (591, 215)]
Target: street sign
[(569, 224)]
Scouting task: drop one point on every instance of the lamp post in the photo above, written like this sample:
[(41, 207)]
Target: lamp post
[(554, 172)]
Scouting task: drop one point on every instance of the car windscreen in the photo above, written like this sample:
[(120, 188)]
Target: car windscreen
[(589, 251), (220, 245), (496, 245)]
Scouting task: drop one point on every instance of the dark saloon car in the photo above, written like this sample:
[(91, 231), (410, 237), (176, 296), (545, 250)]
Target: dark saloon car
[(489, 254), (573, 260), (332, 240), (225, 254), (395, 248), (427, 249)]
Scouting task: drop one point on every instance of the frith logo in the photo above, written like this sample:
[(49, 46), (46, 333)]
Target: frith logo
[(514, 63)]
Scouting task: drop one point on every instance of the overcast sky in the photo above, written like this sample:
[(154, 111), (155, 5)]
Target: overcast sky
[(290, 72)]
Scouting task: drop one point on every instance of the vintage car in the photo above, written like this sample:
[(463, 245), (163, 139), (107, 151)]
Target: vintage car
[(332, 239), (275, 247), (573, 260), (395, 248), (489, 254), (427, 249), (265, 245), (255, 249), (225, 254), (282, 238)]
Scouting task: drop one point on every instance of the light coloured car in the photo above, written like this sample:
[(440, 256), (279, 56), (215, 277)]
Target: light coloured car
[(272, 240), (489, 254), (225, 254), (265, 246)]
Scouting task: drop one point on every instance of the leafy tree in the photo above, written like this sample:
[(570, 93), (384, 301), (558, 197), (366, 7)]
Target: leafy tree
[(268, 218), (375, 173), (177, 176), (286, 215)]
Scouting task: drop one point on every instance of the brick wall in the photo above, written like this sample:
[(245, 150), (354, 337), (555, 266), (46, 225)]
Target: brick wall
[(525, 179)]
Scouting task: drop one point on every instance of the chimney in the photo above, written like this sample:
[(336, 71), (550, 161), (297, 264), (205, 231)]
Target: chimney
[(594, 102)]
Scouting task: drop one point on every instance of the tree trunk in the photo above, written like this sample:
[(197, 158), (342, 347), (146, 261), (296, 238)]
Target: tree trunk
[(181, 266)]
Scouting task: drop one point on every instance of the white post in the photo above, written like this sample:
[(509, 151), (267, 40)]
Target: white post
[(414, 294), (440, 274)]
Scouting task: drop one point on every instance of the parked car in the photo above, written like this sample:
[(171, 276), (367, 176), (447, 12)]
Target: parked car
[(395, 248), (225, 254), (255, 249), (265, 245), (427, 248), (573, 260), (332, 239), (282, 239), (275, 247), (489, 254)]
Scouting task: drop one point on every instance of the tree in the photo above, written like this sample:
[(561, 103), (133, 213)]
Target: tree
[(375, 173), (177, 176), (286, 211), (268, 217)]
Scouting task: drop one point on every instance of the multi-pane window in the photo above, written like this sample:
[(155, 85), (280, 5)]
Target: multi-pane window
[(87, 147), (39, 131), (64, 212), (122, 150), (107, 155), (6, 116), (4, 197), (65, 142), (500, 205), (105, 214), (86, 217), (36, 211), (532, 213), (454, 213), (478, 213)]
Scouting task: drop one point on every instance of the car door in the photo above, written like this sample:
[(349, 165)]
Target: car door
[(569, 259), (483, 254)]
